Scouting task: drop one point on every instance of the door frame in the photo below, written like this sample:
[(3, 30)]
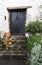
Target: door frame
[(14, 8), (9, 19)]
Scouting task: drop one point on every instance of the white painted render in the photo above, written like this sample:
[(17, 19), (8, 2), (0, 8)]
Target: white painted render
[(31, 12)]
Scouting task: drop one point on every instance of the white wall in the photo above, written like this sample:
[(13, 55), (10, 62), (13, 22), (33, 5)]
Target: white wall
[(31, 13)]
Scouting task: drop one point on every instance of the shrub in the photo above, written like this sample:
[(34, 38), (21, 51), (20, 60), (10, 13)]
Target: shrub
[(36, 55), (34, 27), (0, 43), (32, 40)]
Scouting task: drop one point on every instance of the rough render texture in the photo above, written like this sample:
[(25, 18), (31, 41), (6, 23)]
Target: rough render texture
[(4, 24)]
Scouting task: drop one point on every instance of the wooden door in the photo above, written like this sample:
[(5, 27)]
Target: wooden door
[(17, 21)]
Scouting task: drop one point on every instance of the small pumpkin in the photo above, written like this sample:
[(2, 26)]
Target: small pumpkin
[(9, 43), (7, 34)]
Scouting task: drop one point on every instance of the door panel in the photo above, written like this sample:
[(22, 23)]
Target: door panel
[(17, 22)]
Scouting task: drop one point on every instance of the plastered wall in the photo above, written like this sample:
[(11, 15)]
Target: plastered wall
[(31, 12)]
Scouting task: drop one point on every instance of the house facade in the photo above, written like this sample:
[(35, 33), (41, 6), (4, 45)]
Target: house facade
[(7, 6)]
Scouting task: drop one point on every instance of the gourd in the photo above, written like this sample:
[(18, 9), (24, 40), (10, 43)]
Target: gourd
[(7, 34)]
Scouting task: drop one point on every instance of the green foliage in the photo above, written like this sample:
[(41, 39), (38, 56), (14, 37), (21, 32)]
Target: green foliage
[(34, 27), (36, 55), (32, 40), (0, 42)]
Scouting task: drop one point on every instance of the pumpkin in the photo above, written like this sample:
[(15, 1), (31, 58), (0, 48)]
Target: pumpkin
[(7, 34), (9, 43)]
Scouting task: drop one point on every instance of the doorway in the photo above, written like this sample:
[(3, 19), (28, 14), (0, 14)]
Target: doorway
[(17, 21)]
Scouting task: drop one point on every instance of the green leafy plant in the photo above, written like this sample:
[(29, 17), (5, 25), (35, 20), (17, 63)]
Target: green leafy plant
[(0, 43), (32, 40), (36, 55), (34, 27)]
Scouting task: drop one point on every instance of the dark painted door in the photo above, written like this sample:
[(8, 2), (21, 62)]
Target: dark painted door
[(17, 21)]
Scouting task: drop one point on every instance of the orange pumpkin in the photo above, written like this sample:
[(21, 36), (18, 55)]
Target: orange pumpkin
[(9, 43), (7, 34)]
